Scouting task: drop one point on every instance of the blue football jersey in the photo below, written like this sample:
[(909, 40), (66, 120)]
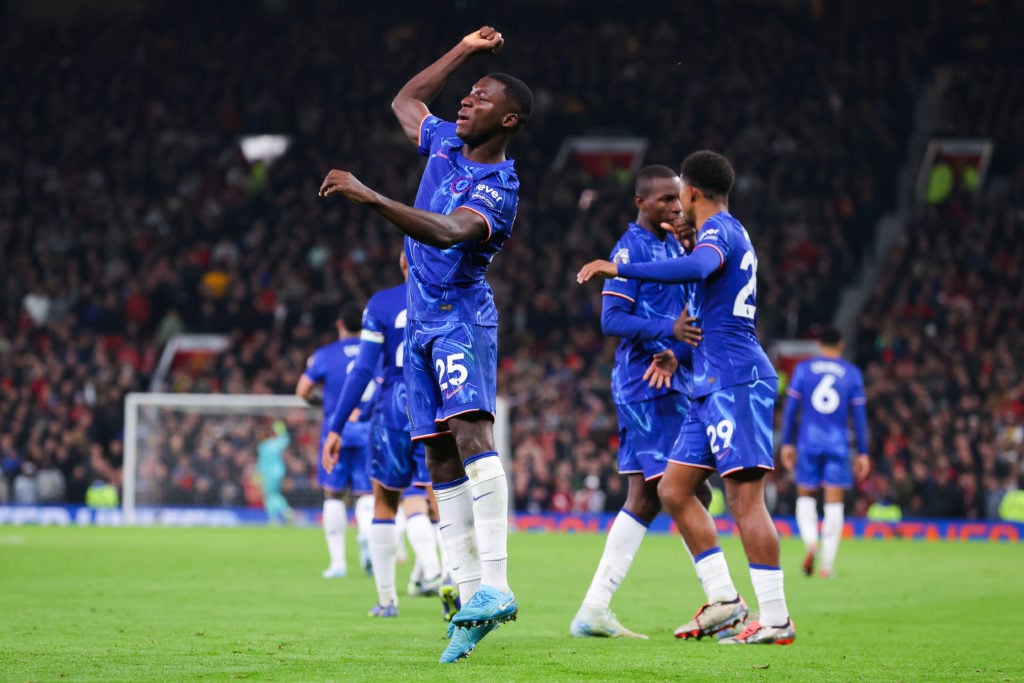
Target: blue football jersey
[(651, 301), (384, 323), (330, 365), (826, 389), (448, 285), (726, 306)]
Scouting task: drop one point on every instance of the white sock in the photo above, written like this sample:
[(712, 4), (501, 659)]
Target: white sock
[(831, 532), (455, 507), (424, 544), (713, 573), (364, 515), (490, 514), (446, 565), (620, 548), (771, 598), (807, 521), (335, 523), (382, 553), (400, 523)]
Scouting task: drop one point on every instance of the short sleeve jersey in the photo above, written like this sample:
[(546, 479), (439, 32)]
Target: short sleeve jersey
[(384, 323), (448, 285), (651, 301), (330, 366), (726, 307), (826, 388)]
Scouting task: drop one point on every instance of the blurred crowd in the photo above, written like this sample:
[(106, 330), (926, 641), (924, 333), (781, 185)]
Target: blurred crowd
[(940, 337), (128, 214)]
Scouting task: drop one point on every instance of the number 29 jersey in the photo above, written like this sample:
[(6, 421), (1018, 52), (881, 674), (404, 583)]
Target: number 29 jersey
[(726, 307)]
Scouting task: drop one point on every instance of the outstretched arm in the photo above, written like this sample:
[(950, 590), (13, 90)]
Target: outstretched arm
[(410, 104), (435, 229), (697, 266)]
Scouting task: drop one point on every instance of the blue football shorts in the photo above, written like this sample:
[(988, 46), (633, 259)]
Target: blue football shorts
[(730, 429), (647, 430), (450, 369), (824, 469), (352, 469), (393, 458)]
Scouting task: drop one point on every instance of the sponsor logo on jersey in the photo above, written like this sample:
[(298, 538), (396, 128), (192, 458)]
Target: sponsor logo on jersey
[(486, 194)]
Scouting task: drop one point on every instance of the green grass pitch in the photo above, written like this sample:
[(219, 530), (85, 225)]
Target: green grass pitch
[(132, 604)]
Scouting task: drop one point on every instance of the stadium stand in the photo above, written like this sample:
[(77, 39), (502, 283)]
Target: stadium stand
[(128, 213)]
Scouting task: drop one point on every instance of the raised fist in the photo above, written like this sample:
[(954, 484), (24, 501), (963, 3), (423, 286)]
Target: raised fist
[(486, 39)]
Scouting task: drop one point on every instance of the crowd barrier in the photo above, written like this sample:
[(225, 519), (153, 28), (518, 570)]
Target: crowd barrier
[(919, 529)]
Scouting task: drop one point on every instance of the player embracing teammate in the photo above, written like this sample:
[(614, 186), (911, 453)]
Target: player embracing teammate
[(463, 214), (729, 426)]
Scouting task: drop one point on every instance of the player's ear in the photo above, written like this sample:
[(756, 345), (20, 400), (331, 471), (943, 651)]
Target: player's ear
[(510, 120)]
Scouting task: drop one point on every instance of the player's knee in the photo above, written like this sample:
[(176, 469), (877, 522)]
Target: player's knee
[(473, 434), (671, 495), (474, 440), (746, 501)]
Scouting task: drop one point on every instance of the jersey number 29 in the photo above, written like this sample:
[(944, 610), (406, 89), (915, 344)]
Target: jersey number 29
[(740, 307)]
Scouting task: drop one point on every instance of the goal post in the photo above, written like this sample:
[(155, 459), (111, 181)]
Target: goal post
[(148, 431), (215, 437)]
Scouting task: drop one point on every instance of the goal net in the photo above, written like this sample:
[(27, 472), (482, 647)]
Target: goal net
[(200, 451)]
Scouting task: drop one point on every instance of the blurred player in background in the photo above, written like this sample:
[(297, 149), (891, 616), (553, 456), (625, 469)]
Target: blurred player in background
[(827, 391), (463, 213), (272, 470), (729, 427), (394, 465), (644, 317), (329, 366)]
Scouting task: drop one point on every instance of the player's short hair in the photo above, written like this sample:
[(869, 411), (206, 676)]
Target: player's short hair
[(648, 173), (830, 336), (520, 97), (351, 317), (709, 172)]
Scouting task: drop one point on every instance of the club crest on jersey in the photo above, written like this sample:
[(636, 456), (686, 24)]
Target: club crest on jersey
[(460, 185), (621, 257)]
